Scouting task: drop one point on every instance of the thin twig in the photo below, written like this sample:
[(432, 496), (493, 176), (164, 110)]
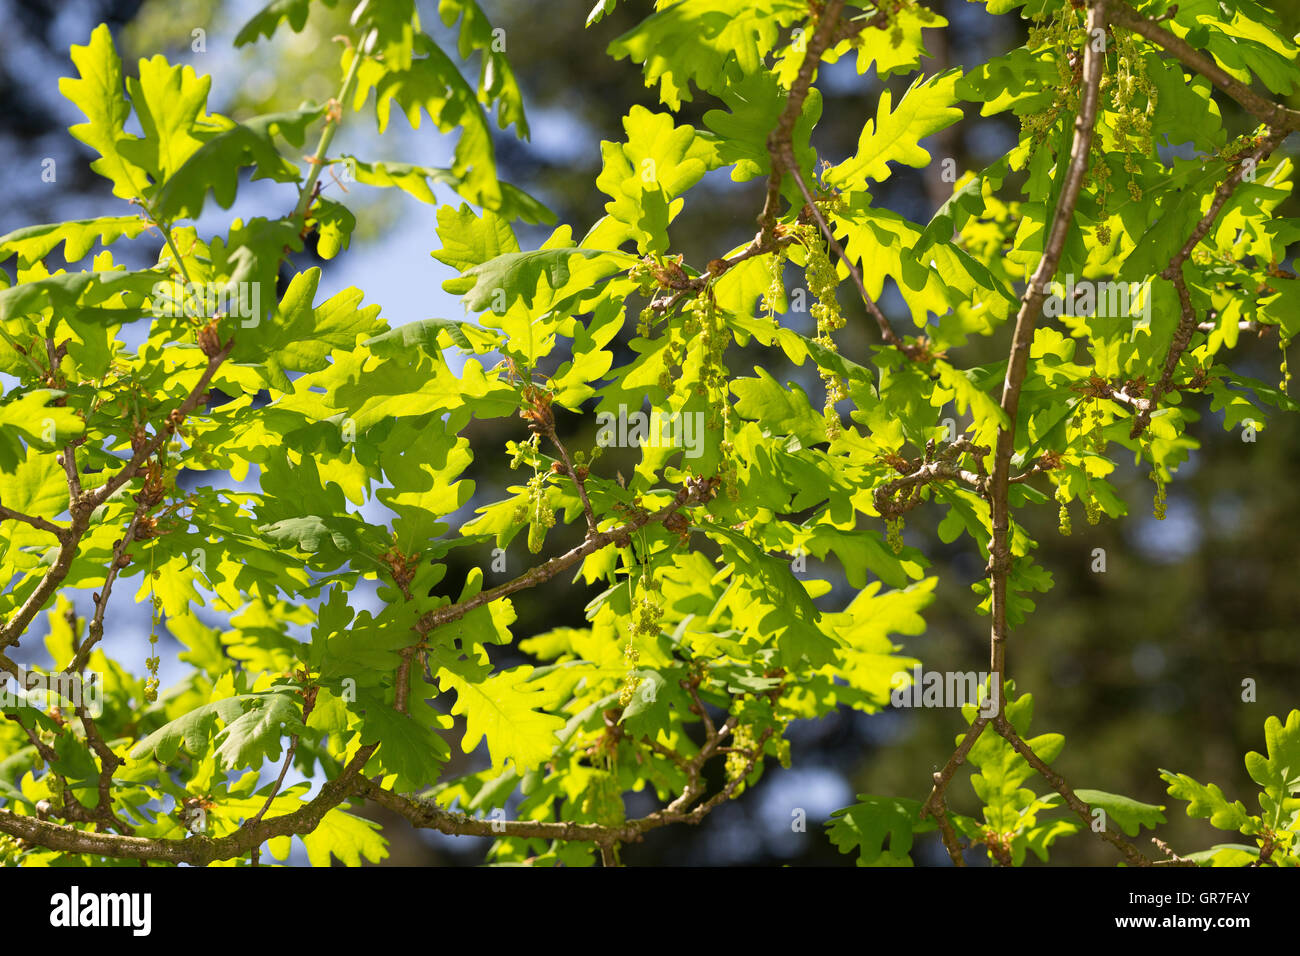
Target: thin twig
[(119, 560), (579, 480), (428, 815), (108, 764), (308, 191), (1182, 336), (84, 505), (178, 415), (279, 782), (1081, 809), (1026, 319), (946, 832), (886, 330), (1173, 272), (936, 466), (779, 141), (197, 850), (8, 514), (696, 491), (936, 806), (1274, 114), (689, 287), (692, 687)]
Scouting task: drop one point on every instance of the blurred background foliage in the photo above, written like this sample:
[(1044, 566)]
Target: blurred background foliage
[(1140, 666)]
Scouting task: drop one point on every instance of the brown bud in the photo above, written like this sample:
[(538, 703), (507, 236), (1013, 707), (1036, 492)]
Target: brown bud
[(209, 340)]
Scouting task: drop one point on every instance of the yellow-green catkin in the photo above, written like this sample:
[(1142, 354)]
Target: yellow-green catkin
[(541, 518), (1160, 498), (153, 660), (743, 742), (1158, 504), (646, 614), (1064, 514), (630, 681), (728, 470), (822, 281), (894, 534), (1284, 369), (776, 285), (1098, 437), (1091, 508)]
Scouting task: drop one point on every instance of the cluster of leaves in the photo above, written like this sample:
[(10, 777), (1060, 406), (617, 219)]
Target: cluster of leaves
[(702, 641), (1016, 820)]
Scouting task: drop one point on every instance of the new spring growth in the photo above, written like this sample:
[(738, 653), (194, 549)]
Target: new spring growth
[(535, 509), (540, 516), (1064, 513), (646, 614), (894, 534), (1159, 502), (743, 742), (822, 281), (702, 324), (1285, 382), (776, 285), (1091, 509), (728, 471), (1098, 423), (152, 662)]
